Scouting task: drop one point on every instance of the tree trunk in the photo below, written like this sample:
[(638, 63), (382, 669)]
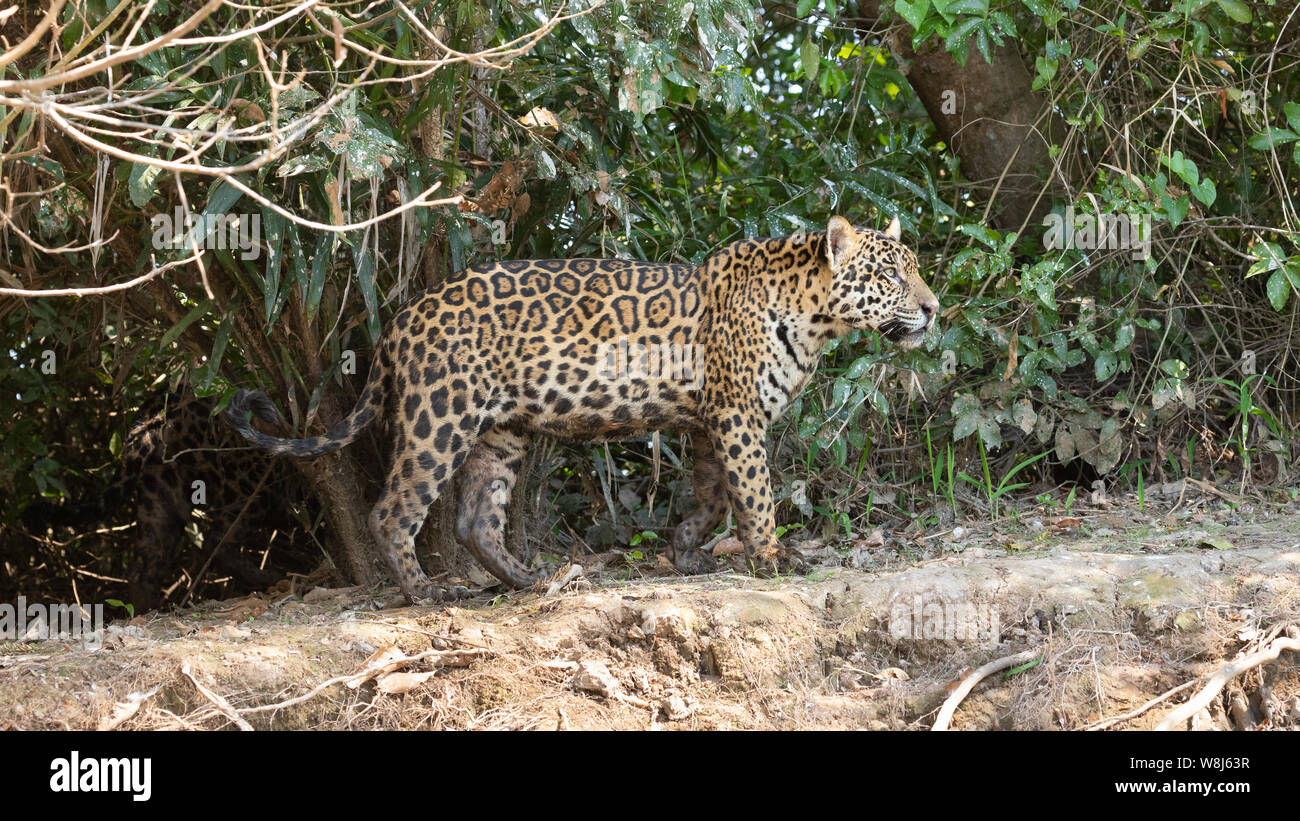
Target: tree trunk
[(990, 116), (437, 543), (335, 481)]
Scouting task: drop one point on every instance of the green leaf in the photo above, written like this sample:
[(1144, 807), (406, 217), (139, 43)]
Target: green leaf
[(365, 263), (1176, 368), (1205, 191), (1269, 257), (303, 164), (951, 8), (810, 58), (985, 235), (320, 264), (1292, 111), (990, 432), (1046, 71), (840, 392), (220, 200), (1140, 47), (1124, 337), (174, 332), (804, 7), (1273, 136), (960, 33), (859, 367), (965, 426), (141, 184), (1175, 210), (219, 347), (1278, 288), (1235, 9), (1105, 365), (275, 227), (913, 12)]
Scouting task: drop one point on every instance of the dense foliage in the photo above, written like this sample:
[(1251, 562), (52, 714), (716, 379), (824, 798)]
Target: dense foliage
[(663, 131)]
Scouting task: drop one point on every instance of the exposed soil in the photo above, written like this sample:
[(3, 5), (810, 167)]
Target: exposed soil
[(1120, 606)]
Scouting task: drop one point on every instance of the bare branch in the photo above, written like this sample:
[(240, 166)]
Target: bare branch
[(105, 289)]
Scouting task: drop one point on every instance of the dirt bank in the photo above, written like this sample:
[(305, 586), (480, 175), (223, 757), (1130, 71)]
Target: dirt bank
[(1118, 609)]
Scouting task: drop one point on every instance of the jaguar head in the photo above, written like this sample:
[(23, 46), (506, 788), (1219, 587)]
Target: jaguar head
[(875, 283)]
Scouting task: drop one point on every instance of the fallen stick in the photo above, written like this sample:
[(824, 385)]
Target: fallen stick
[(449, 658), (127, 709), (217, 701), (968, 684), (1101, 725), (575, 570), (1209, 488), (1224, 675)]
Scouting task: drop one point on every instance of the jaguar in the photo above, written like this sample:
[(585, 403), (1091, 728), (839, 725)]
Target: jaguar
[(172, 445), (478, 364)]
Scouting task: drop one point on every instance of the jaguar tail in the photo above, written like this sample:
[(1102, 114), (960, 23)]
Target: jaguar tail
[(368, 406)]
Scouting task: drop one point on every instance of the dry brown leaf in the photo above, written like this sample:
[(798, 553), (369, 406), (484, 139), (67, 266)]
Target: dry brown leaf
[(1013, 356), (727, 547), (541, 119), (875, 538), (894, 673), (332, 191), (398, 683), (384, 660), (247, 110)]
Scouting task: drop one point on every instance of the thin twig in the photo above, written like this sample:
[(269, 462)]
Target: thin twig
[(1101, 725)]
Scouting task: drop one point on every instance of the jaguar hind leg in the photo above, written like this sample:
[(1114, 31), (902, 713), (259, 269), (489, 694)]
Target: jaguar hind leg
[(489, 476), (711, 497), (432, 443), (396, 519)]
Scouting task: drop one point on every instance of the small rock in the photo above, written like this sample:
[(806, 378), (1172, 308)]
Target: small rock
[(594, 677), (675, 708), (317, 594), (1215, 544)]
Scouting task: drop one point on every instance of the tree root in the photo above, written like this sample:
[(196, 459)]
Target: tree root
[(968, 684)]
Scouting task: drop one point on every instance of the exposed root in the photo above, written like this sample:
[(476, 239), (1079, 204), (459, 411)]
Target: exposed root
[(1229, 672), (217, 701), (968, 684), (1110, 722)]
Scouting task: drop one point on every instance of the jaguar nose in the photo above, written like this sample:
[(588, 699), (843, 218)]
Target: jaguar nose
[(931, 308)]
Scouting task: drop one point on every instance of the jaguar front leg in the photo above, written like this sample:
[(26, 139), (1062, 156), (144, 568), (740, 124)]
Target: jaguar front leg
[(744, 465)]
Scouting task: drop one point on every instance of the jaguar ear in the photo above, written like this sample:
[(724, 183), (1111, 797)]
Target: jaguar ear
[(894, 230), (840, 240)]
